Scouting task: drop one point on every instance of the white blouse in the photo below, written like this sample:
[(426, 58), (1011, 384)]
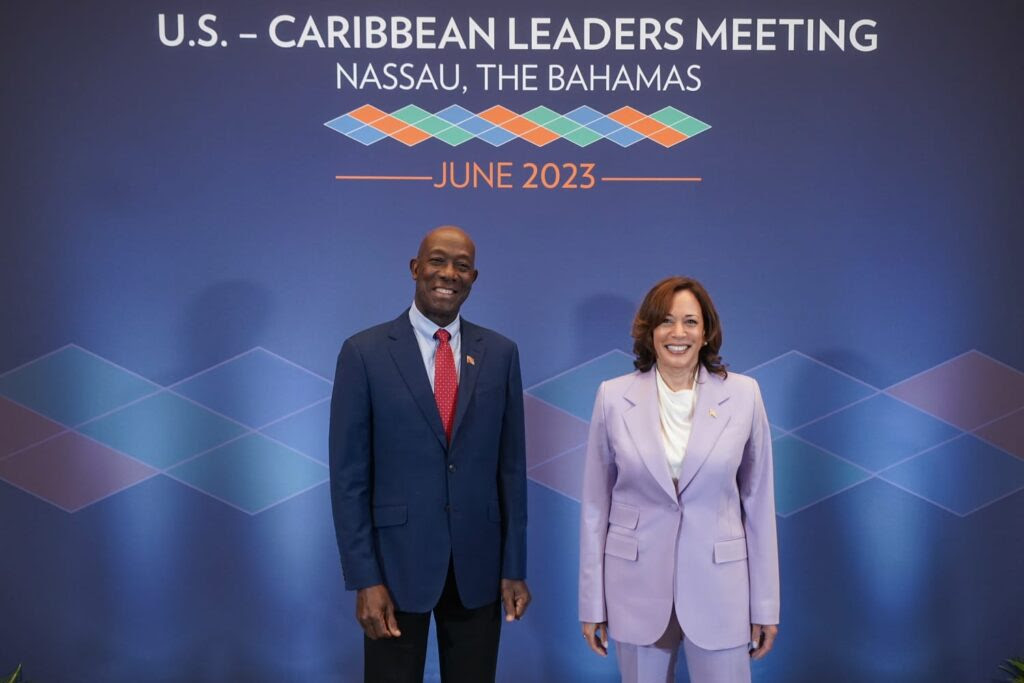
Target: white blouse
[(676, 411)]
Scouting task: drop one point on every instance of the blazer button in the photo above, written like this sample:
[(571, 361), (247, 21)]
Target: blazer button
[(451, 467)]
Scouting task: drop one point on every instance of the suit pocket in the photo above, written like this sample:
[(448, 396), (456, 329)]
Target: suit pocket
[(389, 515), (730, 551), (494, 511), (618, 545), (623, 515)]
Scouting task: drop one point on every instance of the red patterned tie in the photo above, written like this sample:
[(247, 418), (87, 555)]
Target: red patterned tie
[(446, 385)]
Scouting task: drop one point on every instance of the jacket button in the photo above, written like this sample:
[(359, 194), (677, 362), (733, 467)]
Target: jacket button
[(451, 467)]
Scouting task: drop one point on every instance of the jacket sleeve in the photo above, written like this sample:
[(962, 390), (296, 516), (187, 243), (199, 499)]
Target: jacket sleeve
[(351, 465), (757, 495), (599, 473), (512, 476)]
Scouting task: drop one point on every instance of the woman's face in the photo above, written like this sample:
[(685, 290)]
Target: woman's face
[(678, 338)]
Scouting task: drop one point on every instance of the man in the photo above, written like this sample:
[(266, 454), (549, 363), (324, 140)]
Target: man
[(428, 477)]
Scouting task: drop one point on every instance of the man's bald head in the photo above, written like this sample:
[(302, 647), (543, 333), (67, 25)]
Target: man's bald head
[(444, 270)]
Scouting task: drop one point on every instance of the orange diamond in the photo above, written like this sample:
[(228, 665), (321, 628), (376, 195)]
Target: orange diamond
[(626, 115), (518, 125), (497, 114), (389, 124), (367, 113), (540, 136), (645, 125), (667, 137), (410, 136)]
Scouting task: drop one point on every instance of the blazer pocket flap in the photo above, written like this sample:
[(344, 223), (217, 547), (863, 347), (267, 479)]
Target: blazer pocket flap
[(624, 547), (624, 515), (494, 511), (389, 515), (730, 551)]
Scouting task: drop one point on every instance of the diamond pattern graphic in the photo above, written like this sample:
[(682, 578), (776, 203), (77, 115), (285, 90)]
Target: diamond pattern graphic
[(798, 389), (22, 428), (575, 389), (805, 474), (255, 388), (162, 430), (960, 476), (563, 473), (1007, 433), (252, 431), (968, 391), (877, 432), (71, 471), (72, 385), (550, 431), (305, 431), (499, 125), (251, 473)]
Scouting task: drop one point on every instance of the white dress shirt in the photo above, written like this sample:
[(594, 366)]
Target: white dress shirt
[(676, 411), (425, 329)]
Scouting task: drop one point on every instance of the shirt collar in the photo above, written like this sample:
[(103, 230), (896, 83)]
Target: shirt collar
[(426, 328)]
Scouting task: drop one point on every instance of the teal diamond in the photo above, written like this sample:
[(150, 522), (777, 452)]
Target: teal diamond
[(690, 126), (454, 136), (669, 116), (411, 114), (433, 125), (561, 125), (582, 137), (541, 115)]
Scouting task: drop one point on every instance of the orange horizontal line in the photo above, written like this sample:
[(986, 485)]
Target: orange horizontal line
[(383, 177), (651, 180)]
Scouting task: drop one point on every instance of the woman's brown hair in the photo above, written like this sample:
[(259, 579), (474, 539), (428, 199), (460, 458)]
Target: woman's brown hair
[(656, 306)]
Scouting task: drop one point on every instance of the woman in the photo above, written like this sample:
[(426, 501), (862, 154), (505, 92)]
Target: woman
[(677, 529)]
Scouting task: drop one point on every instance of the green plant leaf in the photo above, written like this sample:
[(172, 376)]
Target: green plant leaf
[(16, 676)]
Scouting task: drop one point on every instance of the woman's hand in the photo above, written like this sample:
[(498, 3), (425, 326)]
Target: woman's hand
[(768, 632), (596, 636)]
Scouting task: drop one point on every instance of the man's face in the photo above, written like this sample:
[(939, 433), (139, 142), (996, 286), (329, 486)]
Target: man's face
[(444, 274)]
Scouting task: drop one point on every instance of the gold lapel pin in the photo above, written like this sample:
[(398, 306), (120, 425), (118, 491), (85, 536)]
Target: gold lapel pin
[(712, 413), (469, 359)]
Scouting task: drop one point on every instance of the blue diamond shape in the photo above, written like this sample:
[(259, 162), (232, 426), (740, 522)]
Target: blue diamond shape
[(344, 124), (584, 115), (251, 473), (496, 136), (72, 385), (805, 474), (877, 432), (306, 431), (454, 114), (476, 125), (575, 389), (255, 388), (798, 389), (162, 430), (961, 475), (366, 135), (625, 137), (604, 125)]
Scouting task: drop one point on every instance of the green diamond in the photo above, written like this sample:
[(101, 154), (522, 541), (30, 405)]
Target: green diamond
[(669, 116), (454, 136), (432, 125), (690, 126), (411, 114), (583, 137), (541, 115), (561, 125)]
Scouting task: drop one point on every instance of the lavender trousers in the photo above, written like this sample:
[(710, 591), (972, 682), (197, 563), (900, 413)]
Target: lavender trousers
[(656, 663)]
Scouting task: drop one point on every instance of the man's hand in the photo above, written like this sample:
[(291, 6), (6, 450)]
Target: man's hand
[(515, 596), (596, 636), (376, 613), (762, 647)]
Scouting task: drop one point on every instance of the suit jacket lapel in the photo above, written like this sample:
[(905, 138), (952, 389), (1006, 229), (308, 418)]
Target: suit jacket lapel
[(472, 347), (644, 425), (406, 353), (710, 416)]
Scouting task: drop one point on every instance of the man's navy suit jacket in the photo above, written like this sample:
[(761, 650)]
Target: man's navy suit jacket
[(404, 500)]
